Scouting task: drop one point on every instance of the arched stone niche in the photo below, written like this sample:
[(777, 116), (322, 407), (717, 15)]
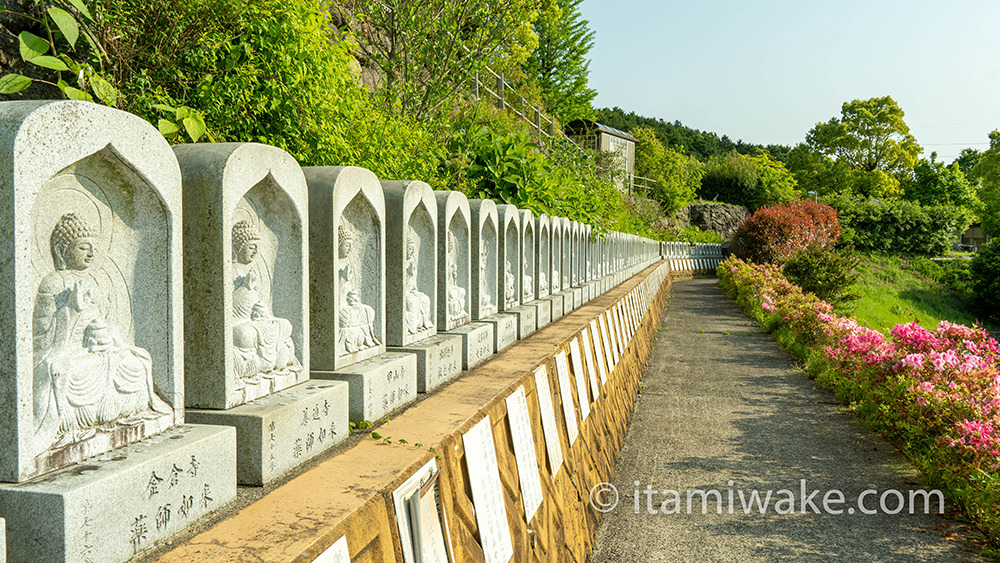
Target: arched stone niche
[(509, 277), (246, 272), (485, 258), (566, 229), (346, 265), (92, 301), (578, 253), (556, 239), (528, 256), (454, 273), (411, 262), (543, 258)]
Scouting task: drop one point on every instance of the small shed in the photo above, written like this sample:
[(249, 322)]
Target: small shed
[(594, 136)]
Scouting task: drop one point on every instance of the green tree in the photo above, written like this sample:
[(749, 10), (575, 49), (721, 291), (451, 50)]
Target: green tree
[(988, 172), (559, 65), (870, 135), (426, 52), (752, 181), (936, 184), (967, 161), (677, 175)]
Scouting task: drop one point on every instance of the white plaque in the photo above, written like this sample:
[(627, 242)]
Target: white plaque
[(336, 553), (427, 531), (630, 317), (606, 349), (620, 329), (580, 378), (569, 413), (610, 333), (588, 355), (626, 313), (524, 452), (487, 493), (553, 445), (418, 519), (598, 351)]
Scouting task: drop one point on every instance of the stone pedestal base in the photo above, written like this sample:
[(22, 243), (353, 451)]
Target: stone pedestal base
[(378, 385), (585, 288), (556, 300), (577, 297), (567, 297), (120, 503), (439, 358), (543, 312), (594, 287), (477, 342), (527, 319), (504, 330), (278, 432)]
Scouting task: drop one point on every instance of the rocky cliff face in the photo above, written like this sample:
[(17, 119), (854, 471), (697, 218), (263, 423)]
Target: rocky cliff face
[(720, 218)]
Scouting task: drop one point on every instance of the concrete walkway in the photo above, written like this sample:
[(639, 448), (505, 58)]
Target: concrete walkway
[(723, 403)]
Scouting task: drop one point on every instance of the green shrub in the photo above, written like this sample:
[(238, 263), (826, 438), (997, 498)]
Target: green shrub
[(898, 226), (985, 270), (827, 273), (751, 181)]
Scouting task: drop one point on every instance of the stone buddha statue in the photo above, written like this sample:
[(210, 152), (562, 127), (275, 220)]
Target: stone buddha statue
[(86, 377), (510, 299), (417, 305), (262, 343), (527, 289), (355, 319), (486, 305), (456, 293)]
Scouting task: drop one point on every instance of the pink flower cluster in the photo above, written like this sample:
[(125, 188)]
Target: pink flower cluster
[(941, 386)]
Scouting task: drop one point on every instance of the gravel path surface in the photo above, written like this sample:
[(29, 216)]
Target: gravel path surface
[(723, 403)]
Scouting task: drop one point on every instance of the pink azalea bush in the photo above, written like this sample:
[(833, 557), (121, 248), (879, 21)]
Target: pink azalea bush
[(935, 393)]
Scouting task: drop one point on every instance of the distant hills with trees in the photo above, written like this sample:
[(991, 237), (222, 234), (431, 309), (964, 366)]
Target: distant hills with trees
[(700, 144)]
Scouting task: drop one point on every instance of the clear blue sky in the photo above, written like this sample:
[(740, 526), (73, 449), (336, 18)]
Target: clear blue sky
[(767, 71)]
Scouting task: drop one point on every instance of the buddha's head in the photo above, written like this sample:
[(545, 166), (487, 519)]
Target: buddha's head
[(345, 240), (245, 242), (72, 243)]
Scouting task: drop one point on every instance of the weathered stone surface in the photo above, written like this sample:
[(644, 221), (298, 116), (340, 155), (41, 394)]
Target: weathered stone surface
[(485, 258), (556, 242), (527, 320), (278, 432), (720, 218), (509, 245), (439, 358), (504, 330), (477, 342), (556, 299), (528, 252), (543, 258), (246, 293), (454, 260), (91, 215), (120, 503), (410, 261), (569, 301), (543, 315), (378, 385), (346, 266)]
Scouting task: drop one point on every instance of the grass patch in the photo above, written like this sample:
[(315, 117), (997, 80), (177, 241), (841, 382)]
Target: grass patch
[(894, 290)]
